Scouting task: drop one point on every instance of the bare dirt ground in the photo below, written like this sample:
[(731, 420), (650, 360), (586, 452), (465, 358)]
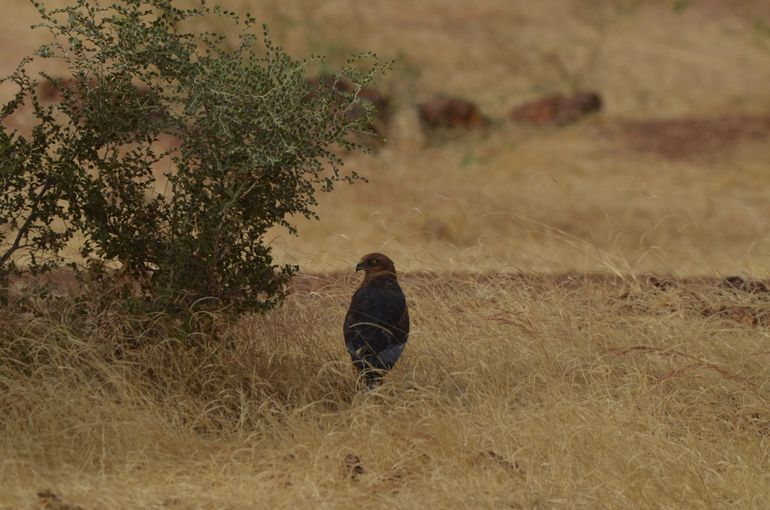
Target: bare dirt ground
[(703, 139)]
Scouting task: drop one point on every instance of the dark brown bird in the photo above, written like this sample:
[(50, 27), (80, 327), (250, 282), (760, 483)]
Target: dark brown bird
[(377, 323)]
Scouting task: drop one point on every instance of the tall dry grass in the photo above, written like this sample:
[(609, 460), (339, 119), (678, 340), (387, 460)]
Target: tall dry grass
[(513, 393)]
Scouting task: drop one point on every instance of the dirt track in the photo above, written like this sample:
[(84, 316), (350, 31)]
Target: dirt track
[(314, 282)]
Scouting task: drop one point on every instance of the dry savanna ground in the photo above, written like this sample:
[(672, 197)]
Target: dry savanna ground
[(545, 368)]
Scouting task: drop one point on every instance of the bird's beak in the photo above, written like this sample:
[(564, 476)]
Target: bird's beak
[(360, 266)]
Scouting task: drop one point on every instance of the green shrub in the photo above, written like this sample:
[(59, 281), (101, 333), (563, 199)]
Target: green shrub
[(256, 141)]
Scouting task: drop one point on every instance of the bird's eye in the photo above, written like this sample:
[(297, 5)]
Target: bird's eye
[(373, 262)]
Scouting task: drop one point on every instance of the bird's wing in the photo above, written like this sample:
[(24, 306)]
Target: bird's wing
[(402, 325), (376, 320)]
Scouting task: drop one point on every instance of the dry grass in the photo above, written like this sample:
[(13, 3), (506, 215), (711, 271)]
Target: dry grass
[(513, 392), (574, 199)]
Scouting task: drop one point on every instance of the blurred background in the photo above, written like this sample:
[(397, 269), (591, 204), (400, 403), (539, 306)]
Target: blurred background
[(558, 135)]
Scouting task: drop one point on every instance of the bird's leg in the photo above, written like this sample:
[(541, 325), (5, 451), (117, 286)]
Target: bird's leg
[(372, 377), (373, 383)]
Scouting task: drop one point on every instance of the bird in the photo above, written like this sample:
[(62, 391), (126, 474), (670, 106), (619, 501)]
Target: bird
[(376, 325)]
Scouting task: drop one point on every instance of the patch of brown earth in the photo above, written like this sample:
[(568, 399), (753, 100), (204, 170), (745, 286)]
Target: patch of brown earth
[(690, 137)]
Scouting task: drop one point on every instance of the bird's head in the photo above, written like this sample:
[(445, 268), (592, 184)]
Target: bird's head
[(376, 264)]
